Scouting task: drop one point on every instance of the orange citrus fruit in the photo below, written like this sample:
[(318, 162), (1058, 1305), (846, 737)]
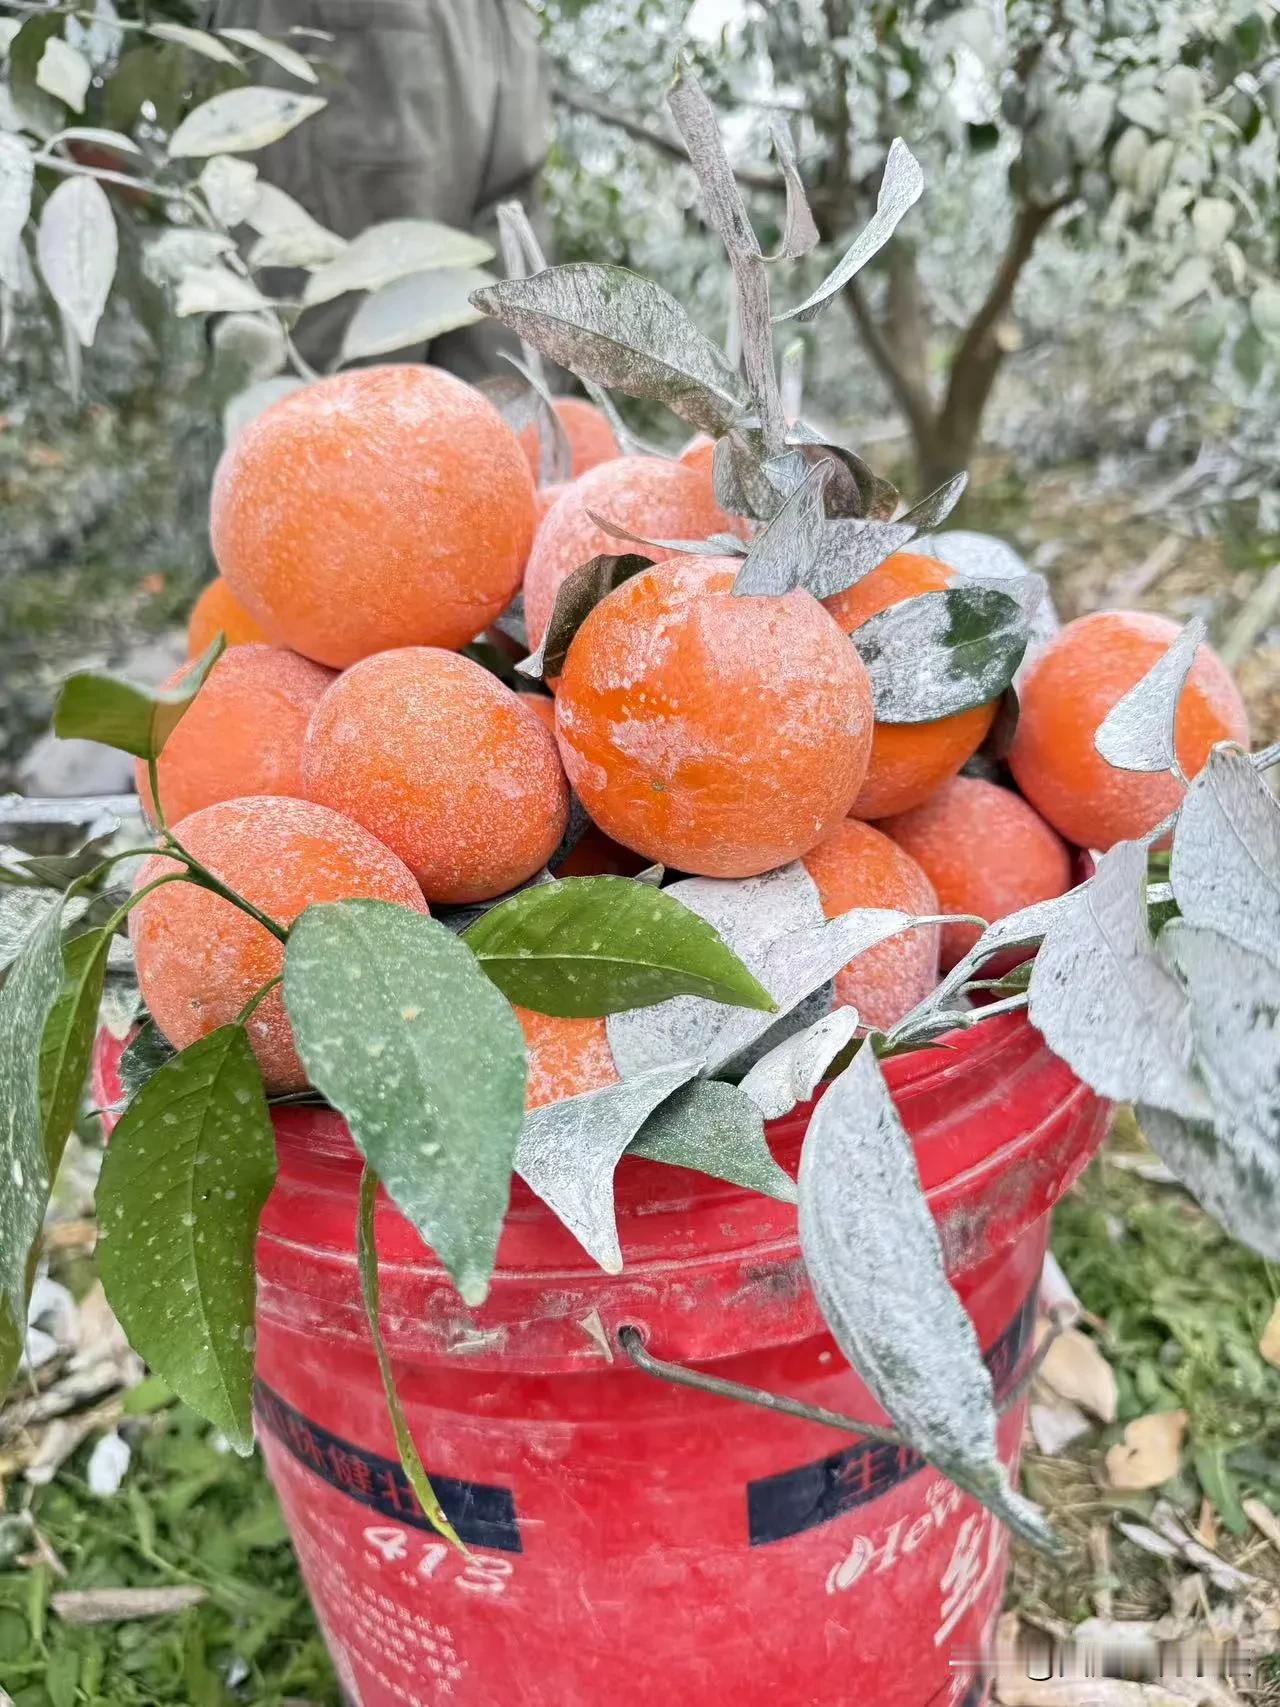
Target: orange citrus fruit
[(219, 611), (567, 1057), (591, 438)]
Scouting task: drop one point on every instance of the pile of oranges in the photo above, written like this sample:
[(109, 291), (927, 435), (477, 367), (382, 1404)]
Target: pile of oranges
[(368, 527)]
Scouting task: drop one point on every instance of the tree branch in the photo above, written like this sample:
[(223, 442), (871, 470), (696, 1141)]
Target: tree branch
[(579, 101)]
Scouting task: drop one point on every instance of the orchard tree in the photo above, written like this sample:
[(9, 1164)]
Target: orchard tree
[(1142, 128)]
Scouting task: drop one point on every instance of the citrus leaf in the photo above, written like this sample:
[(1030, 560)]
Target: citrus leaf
[(799, 232), (399, 1028), (555, 453), (287, 58), (64, 73), (612, 327), (241, 120), (715, 1129), (27, 996), (793, 1069), (1233, 1180), (576, 597), (67, 1041), (76, 247), (17, 176), (168, 258), (217, 290), (1137, 734), (144, 1054), (874, 1258), (288, 235), (587, 946), (1103, 999), (784, 555), (393, 249), (137, 720), (940, 653), (230, 186), (569, 1151), (413, 310), (715, 545), (900, 187), (199, 41), (1225, 866), (775, 925), (190, 1164), (406, 1449)]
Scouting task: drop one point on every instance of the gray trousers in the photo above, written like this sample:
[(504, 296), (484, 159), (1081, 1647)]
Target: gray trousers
[(438, 109)]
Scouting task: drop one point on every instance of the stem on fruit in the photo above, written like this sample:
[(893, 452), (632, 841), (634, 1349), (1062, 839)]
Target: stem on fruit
[(126, 907), (153, 778)]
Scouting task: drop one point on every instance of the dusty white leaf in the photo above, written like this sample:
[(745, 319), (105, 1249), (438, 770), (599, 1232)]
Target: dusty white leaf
[(943, 652), (1150, 1452), (9, 28), (1088, 117), (17, 175), (1235, 1024), (1225, 866), (800, 233), (613, 328), (555, 453), (166, 259), (253, 344), (1269, 1344), (216, 290), (775, 924), (1228, 1175), (107, 1465), (793, 1069), (241, 120), (901, 186), (983, 556), (199, 41), (64, 73), (874, 1258), (1023, 929), (99, 36), (1057, 1425), (286, 57), (714, 1129), (76, 247), (1137, 734), (391, 250), (851, 549), (230, 186), (113, 139), (1103, 999), (569, 1150), (784, 555), (1076, 1370), (288, 236), (413, 310)]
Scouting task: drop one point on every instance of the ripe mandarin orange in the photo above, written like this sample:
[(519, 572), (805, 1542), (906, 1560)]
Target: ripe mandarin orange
[(383, 507), (647, 495), (243, 733), (444, 764), (720, 735), (567, 1057), (1066, 694), (546, 498), (699, 454), (219, 611), (591, 438), (985, 851), (855, 866), (908, 760), (200, 958)]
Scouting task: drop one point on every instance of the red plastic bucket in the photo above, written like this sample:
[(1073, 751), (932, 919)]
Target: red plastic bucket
[(634, 1541)]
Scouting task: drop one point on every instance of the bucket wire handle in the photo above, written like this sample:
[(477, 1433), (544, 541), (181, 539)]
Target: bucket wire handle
[(1060, 1317)]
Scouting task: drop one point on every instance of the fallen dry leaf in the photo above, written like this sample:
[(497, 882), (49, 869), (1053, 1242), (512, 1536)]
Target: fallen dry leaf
[(1269, 1344), (112, 1605), (1077, 1370), (1150, 1451), (1054, 1426), (1262, 1517)]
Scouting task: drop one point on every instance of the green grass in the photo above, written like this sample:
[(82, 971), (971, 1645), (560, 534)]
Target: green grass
[(186, 1514)]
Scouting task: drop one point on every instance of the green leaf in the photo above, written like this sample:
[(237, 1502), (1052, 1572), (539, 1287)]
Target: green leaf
[(68, 1039), (137, 720), (714, 1129), (367, 1254), (399, 1028), (26, 1000), (145, 1054), (183, 1183), (941, 653), (588, 946)]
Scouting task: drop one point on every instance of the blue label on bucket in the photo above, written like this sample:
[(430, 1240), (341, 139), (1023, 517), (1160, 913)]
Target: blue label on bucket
[(483, 1515), (796, 1500)]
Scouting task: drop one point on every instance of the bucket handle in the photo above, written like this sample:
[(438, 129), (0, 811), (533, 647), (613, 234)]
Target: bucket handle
[(1060, 1317)]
